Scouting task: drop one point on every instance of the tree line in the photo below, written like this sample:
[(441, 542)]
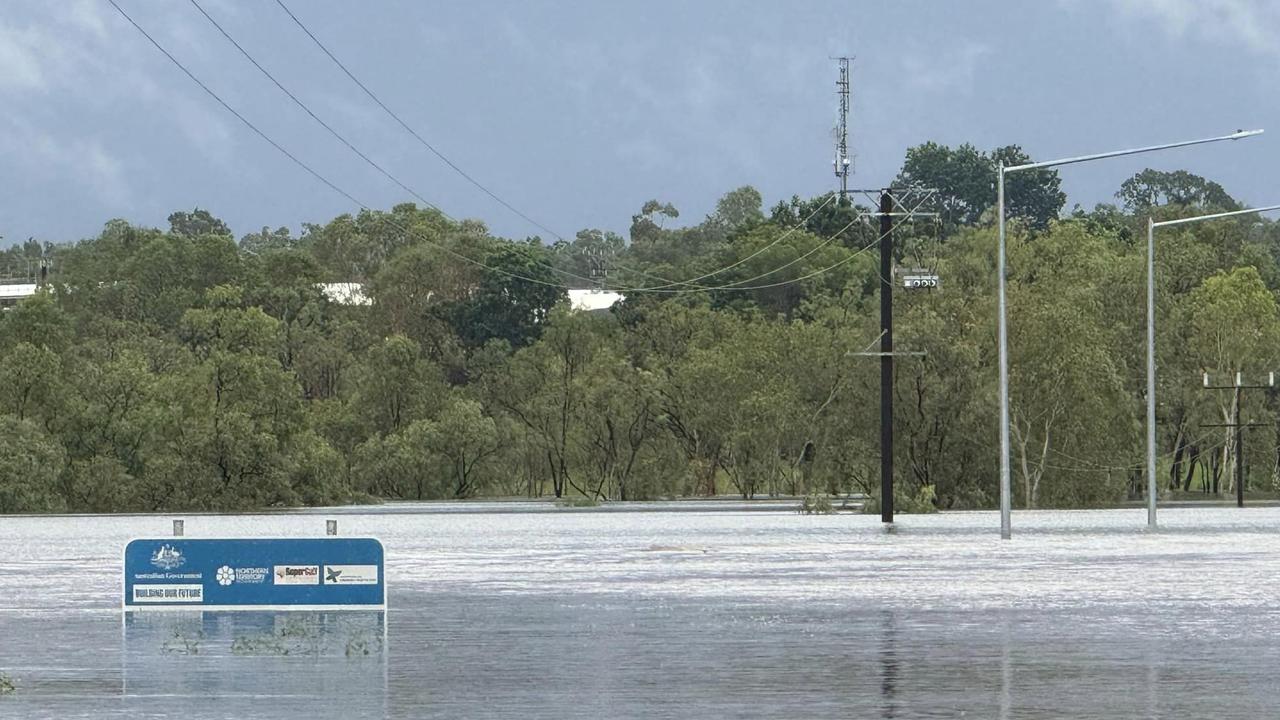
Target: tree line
[(181, 369)]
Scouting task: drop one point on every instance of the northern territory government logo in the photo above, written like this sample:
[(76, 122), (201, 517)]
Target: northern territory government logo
[(167, 558), (242, 575)]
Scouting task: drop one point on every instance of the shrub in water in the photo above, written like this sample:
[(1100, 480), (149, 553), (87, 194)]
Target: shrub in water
[(816, 504), (6, 684), (920, 502)]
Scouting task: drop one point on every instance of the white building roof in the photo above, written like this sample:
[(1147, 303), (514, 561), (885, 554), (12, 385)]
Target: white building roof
[(592, 300), (17, 291), (345, 293), (583, 300)]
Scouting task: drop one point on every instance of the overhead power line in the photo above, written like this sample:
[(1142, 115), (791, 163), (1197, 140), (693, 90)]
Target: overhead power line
[(385, 173), (692, 284), (779, 239), (340, 137), (365, 156), (732, 286), (310, 170), (408, 232), (798, 258), (422, 141)]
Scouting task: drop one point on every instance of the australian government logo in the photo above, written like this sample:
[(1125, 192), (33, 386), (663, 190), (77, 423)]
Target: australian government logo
[(167, 557)]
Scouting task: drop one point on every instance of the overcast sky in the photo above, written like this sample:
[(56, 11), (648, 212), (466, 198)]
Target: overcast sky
[(578, 112)]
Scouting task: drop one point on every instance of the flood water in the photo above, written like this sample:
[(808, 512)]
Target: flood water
[(523, 611)]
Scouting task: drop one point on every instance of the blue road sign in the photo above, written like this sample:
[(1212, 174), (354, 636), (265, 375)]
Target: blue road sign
[(254, 574)]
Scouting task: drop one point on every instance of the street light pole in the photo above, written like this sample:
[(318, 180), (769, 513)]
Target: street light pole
[(1151, 373), (1006, 491), (1006, 495), (1151, 341)]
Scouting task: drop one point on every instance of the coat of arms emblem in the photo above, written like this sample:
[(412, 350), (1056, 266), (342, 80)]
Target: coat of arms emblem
[(167, 557)]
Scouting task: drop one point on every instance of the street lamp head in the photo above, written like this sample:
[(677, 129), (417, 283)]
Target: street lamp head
[(1238, 134)]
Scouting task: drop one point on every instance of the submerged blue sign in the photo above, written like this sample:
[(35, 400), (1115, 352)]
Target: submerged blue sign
[(315, 573)]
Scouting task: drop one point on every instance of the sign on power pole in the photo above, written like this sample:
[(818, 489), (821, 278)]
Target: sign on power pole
[(920, 281)]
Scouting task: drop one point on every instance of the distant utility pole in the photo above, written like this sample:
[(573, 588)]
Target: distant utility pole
[(1236, 426), (599, 260), (841, 163)]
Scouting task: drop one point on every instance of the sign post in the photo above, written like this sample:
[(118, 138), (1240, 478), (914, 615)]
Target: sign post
[(254, 574)]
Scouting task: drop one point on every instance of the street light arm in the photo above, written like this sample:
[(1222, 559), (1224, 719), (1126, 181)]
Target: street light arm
[(1198, 218), (1238, 135)]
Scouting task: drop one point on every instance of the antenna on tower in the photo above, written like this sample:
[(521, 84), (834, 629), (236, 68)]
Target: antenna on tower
[(841, 163)]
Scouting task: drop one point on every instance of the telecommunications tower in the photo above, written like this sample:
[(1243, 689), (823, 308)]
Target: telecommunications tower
[(841, 163)]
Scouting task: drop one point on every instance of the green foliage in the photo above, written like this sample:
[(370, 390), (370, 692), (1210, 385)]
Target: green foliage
[(964, 178), (395, 385), (268, 240), (178, 370), (738, 210), (30, 462), (1151, 188), (7, 686), (463, 438), (39, 322), (512, 300), (196, 223), (431, 459), (355, 249), (30, 382), (824, 216), (921, 502), (1066, 409), (966, 181), (1235, 321), (397, 465), (99, 484)]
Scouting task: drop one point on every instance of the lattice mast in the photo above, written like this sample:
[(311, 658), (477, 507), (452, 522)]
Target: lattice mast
[(841, 163)]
